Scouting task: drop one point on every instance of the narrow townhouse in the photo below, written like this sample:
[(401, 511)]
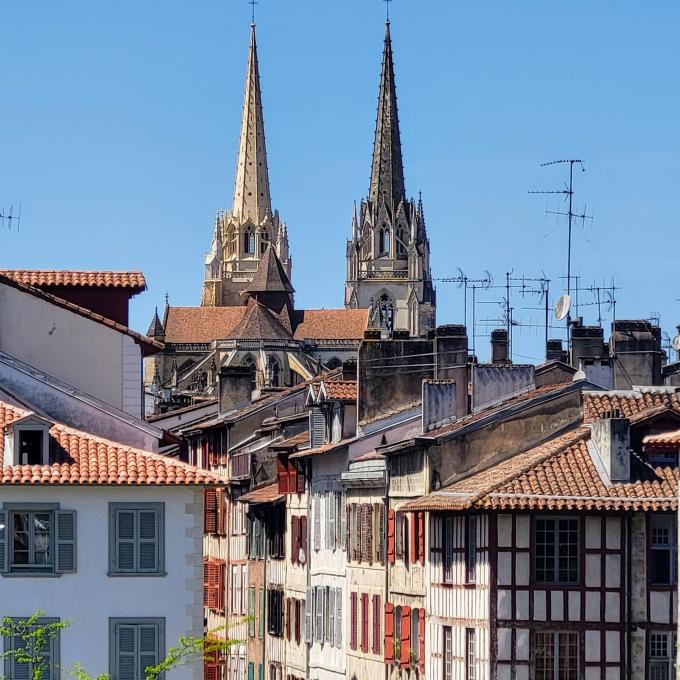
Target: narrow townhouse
[(560, 561)]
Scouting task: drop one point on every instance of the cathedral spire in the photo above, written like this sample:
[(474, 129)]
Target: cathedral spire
[(387, 172), (251, 193)]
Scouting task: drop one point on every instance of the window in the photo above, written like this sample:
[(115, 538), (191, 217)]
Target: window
[(273, 372), (471, 549), (401, 241), (255, 535), (298, 539), (264, 241), (275, 612), (45, 657), (135, 644), (556, 656), (238, 513), (663, 548), (323, 618), (384, 240), (376, 624), (39, 539), (447, 549), (661, 655), (557, 553), (214, 512), (30, 447), (353, 620), (448, 653), (136, 538), (415, 633), (251, 612), (214, 578), (364, 622), (248, 241), (231, 242), (470, 654), (276, 531)]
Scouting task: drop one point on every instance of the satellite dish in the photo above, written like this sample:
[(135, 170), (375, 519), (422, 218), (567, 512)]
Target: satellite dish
[(562, 307), (675, 343)]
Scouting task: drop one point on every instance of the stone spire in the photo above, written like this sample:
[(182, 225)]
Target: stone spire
[(251, 192), (387, 171)]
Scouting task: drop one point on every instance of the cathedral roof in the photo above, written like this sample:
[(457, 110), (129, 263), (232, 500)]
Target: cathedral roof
[(259, 323), (156, 329), (270, 276), (189, 325), (330, 324)]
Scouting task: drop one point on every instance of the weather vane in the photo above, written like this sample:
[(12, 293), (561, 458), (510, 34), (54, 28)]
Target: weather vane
[(387, 9), (252, 3)]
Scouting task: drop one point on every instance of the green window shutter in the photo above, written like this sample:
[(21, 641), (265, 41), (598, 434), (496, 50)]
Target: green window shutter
[(126, 539), (19, 670), (262, 606), (147, 521), (148, 647), (136, 644), (260, 672), (251, 671), (65, 522), (126, 652), (251, 612), (3, 541)]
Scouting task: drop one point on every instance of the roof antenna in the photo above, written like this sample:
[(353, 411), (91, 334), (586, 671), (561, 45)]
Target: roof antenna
[(387, 10), (252, 3), (9, 217)]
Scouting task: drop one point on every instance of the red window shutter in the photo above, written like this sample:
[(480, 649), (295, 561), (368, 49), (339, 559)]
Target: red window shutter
[(353, 619), (413, 540), (209, 511), (405, 636), (292, 477), (421, 639), (294, 538), (364, 622), (421, 538), (376, 624), (206, 583), (221, 573), (303, 535), (221, 512), (287, 618), (389, 632), (301, 479), (298, 624), (210, 671), (390, 537), (283, 474)]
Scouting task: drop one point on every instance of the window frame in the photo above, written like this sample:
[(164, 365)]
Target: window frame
[(556, 580), (556, 648), (470, 654), (471, 526), (115, 621), (55, 652), (672, 548), (668, 661), (114, 509), (447, 652)]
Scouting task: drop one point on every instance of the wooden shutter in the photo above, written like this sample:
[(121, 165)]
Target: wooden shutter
[(294, 539), (125, 645), (220, 501), (65, 541), (413, 539), (421, 639), (209, 511), (210, 671), (300, 478), (332, 507), (317, 522), (287, 618), (376, 624), (220, 586), (126, 526), (282, 473), (260, 672), (309, 610), (292, 476), (381, 535), (251, 670), (405, 658), (303, 539), (149, 652), (364, 622), (262, 613), (318, 614), (343, 520), (298, 612), (317, 427), (251, 612), (421, 538), (390, 536), (353, 620), (338, 617), (389, 632), (331, 616), (3, 541), (148, 540)]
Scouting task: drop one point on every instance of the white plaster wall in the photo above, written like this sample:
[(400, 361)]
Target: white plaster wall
[(89, 597), (81, 352), (131, 377)]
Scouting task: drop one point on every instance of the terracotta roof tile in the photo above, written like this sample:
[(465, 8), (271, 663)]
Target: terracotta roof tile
[(79, 458), (662, 440), (330, 324), (293, 442), (629, 402), (341, 390), (558, 475), (264, 494), (201, 324), (42, 278), (326, 448)]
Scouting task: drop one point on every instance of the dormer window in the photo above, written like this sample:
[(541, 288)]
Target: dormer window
[(30, 447), (27, 441)]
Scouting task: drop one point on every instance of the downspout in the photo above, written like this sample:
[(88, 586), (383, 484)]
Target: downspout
[(629, 598)]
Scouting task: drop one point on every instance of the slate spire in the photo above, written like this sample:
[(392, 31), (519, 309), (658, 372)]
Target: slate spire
[(251, 192), (387, 171)]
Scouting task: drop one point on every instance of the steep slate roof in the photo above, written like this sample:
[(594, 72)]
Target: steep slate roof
[(259, 322), (81, 459), (628, 402), (143, 340), (330, 324), (156, 329), (270, 276), (558, 475), (55, 277)]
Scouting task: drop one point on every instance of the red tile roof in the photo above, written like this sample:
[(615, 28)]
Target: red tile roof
[(82, 459), (629, 402), (60, 277), (330, 324), (188, 325), (341, 390), (326, 448), (293, 442), (264, 494), (662, 440), (558, 475)]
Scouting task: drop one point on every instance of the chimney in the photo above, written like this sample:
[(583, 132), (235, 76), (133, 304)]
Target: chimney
[(236, 384), (554, 350), (499, 346), (439, 403), (587, 342), (611, 437), (349, 369), (636, 348)]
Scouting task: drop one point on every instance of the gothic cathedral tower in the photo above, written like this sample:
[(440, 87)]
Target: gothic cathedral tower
[(388, 256), (241, 237)]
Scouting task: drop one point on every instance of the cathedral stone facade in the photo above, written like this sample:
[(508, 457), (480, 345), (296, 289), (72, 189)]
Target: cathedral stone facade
[(388, 255)]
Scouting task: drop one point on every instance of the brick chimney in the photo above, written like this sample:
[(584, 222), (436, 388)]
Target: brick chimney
[(611, 437)]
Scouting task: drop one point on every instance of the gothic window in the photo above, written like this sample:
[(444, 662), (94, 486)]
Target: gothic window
[(366, 242), (230, 248), (249, 361), (384, 241), (274, 371), (333, 363), (384, 312), (264, 241), (402, 241), (248, 241)]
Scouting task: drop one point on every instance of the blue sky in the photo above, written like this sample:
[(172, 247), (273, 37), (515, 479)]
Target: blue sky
[(119, 129)]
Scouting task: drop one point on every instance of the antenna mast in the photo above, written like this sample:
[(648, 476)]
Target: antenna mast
[(8, 217)]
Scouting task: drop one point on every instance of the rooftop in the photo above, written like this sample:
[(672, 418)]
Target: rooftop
[(40, 278)]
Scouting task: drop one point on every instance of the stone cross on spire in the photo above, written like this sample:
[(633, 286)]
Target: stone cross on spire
[(251, 192), (387, 172)]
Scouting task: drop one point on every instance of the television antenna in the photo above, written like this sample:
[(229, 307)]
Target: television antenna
[(8, 217), (465, 282), (568, 193)]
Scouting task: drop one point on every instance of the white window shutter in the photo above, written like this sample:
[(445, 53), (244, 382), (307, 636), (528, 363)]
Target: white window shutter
[(331, 617), (318, 611), (343, 521), (65, 541), (331, 520), (309, 611), (338, 617), (317, 522), (327, 524), (3, 541)]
